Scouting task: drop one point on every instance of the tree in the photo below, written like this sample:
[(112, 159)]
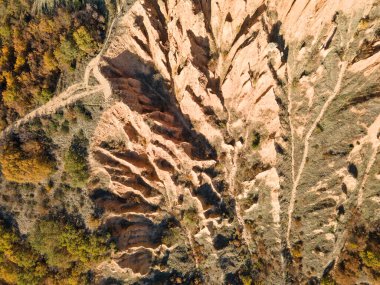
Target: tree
[(19, 263), (22, 167), (56, 252), (66, 247), (49, 62), (66, 54), (42, 46), (84, 40), (76, 160)]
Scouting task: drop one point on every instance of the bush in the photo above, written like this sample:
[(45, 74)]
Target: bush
[(370, 259), (255, 140), (327, 281), (191, 219)]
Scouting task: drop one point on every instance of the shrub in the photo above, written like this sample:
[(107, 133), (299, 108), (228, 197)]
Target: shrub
[(172, 236), (296, 253), (246, 280), (352, 246), (191, 219), (65, 127), (327, 281), (255, 140), (370, 259)]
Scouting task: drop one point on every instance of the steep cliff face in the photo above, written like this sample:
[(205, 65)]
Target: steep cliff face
[(243, 144)]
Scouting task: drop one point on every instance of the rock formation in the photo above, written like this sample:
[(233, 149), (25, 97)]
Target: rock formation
[(244, 140)]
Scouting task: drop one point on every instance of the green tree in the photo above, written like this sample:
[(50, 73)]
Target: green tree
[(66, 247), (49, 62), (76, 160), (19, 263), (56, 252), (84, 40), (66, 54)]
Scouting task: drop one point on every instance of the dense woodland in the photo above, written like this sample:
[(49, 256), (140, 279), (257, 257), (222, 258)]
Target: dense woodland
[(57, 251), (40, 41)]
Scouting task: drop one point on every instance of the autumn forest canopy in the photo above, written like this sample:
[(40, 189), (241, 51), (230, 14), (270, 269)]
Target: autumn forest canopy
[(39, 42)]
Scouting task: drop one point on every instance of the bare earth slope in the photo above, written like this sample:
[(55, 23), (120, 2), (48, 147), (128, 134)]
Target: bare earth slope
[(243, 144), (245, 141)]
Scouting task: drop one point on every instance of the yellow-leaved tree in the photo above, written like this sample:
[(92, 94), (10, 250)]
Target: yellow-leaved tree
[(84, 40), (29, 164)]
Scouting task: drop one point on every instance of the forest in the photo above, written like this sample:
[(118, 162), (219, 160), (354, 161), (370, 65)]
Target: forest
[(40, 41), (57, 251)]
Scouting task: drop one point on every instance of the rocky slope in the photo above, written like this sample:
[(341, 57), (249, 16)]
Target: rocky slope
[(244, 141), (240, 142)]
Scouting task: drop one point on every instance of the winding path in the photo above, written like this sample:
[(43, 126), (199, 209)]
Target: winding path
[(77, 91)]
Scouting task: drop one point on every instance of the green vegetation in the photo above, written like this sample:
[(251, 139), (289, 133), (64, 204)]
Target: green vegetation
[(76, 160), (65, 246), (296, 253), (327, 281), (66, 53), (370, 259), (19, 263), (320, 127), (84, 40), (191, 218), (48, 6), (36, 48), (364, 24), (56, 252), (246, 280), (352, 246), (255, 140), (21, 168), (172, 236)]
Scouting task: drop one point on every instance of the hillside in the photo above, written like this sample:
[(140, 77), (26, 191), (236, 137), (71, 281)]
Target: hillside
[(205, 142)]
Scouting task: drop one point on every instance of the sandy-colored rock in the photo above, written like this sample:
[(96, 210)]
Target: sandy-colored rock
[(246, 120)]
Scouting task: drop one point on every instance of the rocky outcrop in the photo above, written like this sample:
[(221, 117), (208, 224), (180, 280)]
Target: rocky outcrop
[(243, 140)]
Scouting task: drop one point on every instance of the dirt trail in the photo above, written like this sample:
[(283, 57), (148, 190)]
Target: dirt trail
[(74, 92), (372, 137), (306, 148)]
